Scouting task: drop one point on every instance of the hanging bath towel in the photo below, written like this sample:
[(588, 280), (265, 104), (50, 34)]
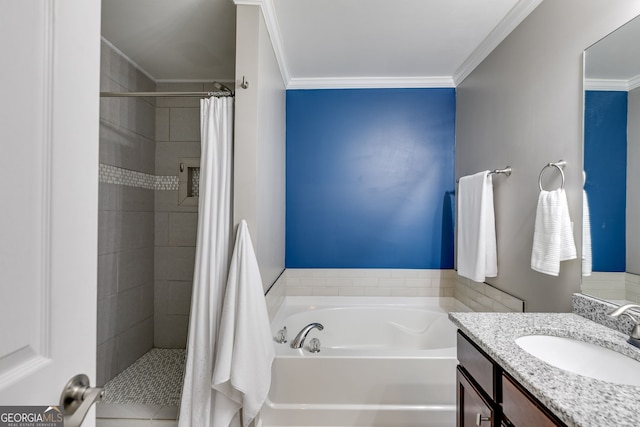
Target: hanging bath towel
[(242, 373), (586, 236), (553, 237), (477, 255)]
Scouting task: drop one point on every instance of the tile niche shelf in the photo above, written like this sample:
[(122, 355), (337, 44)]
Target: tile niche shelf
[(189, 177)]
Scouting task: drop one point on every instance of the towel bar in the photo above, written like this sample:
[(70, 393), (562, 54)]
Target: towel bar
[(507, 171), (559, 164)]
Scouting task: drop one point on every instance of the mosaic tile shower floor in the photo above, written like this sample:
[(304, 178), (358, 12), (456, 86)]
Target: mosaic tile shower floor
[(154, 379)]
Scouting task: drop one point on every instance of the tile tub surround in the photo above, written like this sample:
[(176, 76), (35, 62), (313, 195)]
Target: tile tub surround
[(359, 282), (369, 282), (483, 297), (576, 400), (479, 297)]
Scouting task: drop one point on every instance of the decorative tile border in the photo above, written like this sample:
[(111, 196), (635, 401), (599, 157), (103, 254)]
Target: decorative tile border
[(115, 175), (166, 183)]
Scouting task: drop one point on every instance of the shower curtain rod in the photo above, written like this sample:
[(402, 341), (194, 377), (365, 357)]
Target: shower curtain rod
[(166, 94)]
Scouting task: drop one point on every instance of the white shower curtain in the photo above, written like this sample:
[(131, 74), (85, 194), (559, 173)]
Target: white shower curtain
[(213, 250)]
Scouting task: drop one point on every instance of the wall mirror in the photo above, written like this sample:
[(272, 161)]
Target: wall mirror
[(611, 165)]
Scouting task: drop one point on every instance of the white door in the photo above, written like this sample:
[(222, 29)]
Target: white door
[(49, 98)]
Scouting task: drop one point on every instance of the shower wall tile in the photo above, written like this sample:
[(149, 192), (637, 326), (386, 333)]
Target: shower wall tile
[(144, 112), (146, 300), (161, 228), (107, 310), (174, 263), (173, 297), (135, 268), (148, 156), (134, 342), (109, 236), (169, 153), (127, 312), (160, 300), (136, 199), (126, 231), (184, 124), (167, 201), (177, 126), (162, 124), (179, 293), (108, 281), (171, 331), (106, 362), (110, 196), (183, 228)]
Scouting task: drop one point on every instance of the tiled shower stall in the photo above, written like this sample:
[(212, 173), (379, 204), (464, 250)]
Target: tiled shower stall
[(146, 237)]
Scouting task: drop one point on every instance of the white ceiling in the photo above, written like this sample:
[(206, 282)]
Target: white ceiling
[(615, 59), (319, 43)]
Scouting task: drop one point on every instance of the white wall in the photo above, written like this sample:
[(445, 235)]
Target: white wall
[(259, 175), (523, 106), (633, 182)]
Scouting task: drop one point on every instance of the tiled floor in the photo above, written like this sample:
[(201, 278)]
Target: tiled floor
[(145, 394)]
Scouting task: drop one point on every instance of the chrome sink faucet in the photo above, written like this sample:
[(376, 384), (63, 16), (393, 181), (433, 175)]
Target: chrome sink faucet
[(634, 337), (298, 341)]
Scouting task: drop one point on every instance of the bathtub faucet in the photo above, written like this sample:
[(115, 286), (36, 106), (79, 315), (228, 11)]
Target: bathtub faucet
[(298, 341)]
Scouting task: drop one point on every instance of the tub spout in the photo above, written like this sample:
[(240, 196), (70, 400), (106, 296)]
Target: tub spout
[(298, 341)]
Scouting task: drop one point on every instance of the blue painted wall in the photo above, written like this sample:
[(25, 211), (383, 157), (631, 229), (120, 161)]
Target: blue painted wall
[(605, 136), (370, 178)]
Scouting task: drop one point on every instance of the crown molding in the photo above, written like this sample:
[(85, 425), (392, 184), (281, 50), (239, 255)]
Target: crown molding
[(612, 84), (273, 28), (370, 82), (516, 15)]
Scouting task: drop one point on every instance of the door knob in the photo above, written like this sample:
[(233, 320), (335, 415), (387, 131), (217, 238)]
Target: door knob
[(76, 399), (480, 419)]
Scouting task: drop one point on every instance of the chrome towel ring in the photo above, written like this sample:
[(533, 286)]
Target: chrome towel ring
[(560, 164)]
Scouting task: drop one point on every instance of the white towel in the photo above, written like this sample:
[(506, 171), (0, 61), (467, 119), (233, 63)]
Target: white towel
[(242, 373), (477, 254), (586, 236), (553, 235)]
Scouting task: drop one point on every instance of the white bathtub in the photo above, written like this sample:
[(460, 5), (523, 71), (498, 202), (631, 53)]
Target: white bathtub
[(383, 362)]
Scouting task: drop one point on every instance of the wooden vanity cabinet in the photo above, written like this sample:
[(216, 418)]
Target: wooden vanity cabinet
[(488, 397)]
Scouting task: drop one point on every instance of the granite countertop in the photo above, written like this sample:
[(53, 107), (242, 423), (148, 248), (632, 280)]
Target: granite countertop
[(577, 400)]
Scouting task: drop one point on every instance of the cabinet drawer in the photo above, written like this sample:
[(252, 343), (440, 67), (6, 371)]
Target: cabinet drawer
[(522, 410), (479, 365)]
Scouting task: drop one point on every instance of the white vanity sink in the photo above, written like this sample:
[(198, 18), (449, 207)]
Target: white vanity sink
[(582, 358)]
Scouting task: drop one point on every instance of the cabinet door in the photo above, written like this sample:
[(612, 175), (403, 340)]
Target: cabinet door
[(472, 408), (522, 410)]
